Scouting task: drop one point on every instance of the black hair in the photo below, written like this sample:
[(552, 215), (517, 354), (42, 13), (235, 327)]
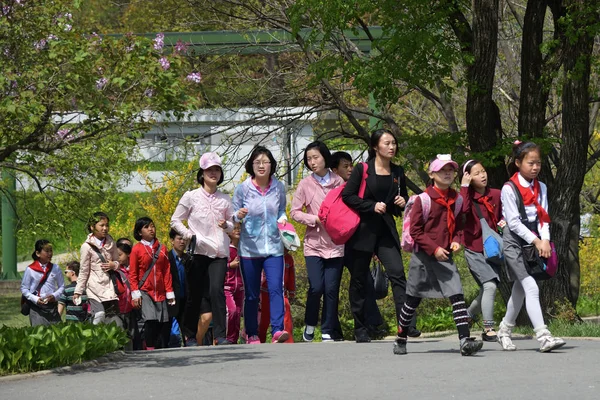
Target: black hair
[(338, 156), (200, 177), (124, 247), (467, 166), (139, 224), (520, 150), (39, 245), (123, 240), (257, 151), (323, 150), (173, 233), (375, 137), (95, 218), (73, 266)]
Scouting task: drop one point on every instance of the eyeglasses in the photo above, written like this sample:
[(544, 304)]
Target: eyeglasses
[(259, 163)]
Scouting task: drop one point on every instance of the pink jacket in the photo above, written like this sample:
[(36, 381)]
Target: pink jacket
[(203, 211), (233, 277), (310, 194)]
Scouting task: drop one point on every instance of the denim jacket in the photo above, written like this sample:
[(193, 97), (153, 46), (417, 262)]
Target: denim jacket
[(260, 235)]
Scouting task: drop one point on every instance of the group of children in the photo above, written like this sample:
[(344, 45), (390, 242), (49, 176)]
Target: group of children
[(236, 263)]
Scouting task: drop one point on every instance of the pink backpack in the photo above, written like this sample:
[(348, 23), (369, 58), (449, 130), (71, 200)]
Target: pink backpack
[(339, 220), (407, 243)]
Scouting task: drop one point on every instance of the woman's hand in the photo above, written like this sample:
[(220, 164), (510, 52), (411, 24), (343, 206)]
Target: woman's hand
[(399, 201), (441, 254), (543, 248), (241, 213), (466, 179), (109, 266), (137, 303), (380, 207), (222, 224)]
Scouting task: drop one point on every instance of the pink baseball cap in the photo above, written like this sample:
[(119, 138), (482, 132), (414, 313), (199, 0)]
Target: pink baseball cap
[(210, 159), (440, 161)]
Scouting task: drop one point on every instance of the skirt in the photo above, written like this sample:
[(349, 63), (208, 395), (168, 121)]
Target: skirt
[(154, 310), (105, 312), (430, 278), (43, 315), (514, 262), (481, 270)]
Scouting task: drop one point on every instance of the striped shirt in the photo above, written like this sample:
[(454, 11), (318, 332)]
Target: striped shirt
[(74, 313)]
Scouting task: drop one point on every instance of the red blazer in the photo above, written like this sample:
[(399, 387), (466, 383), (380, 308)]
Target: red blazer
[(434, 232), (472, 228), (160, 281)]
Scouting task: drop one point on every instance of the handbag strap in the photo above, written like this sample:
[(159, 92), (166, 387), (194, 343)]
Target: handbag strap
[(97, 250), (154, 259), (363, 182), (520, 204), (191, 249), (113, 275), (478, 210), (44, 278)]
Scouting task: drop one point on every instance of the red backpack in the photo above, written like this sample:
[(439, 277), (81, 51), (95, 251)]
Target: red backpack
[(339, 220)]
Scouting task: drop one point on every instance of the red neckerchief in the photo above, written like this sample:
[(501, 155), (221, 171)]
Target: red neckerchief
[(37, 267), (445, 201), (485, 200), (531, 198)]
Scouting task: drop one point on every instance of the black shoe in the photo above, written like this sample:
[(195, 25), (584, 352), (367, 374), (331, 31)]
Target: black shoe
[(400, 346), (337, 337), (486, 337), (470, 346), (362, 338), (377, 334), (413, 332), (307, 337)]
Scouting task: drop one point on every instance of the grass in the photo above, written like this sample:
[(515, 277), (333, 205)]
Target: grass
[(10, 311), (562, 328)]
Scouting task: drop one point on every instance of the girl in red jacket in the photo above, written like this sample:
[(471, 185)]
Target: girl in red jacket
[(480, 201), (436, 230), (151, 282)]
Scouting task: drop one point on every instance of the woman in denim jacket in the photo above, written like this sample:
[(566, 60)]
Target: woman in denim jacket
[(260, 203)]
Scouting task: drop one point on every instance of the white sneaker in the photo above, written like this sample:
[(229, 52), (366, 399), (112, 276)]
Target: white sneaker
[(326, 338), (505, 336), (547, 341)]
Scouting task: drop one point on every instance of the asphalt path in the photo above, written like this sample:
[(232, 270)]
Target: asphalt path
[(433, 369)]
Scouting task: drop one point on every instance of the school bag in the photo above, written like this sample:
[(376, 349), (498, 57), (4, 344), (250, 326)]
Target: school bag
[(339, 220), (380, 281), (537, 267), (407, 243), (492, 241)]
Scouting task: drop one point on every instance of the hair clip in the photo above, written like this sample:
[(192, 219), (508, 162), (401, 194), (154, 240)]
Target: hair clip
[(517, 142)]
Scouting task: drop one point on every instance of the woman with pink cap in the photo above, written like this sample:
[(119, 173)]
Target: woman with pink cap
[(209, 215), (436, 230)]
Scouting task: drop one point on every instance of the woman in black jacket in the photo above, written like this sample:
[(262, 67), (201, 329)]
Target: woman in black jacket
[(384, 198)]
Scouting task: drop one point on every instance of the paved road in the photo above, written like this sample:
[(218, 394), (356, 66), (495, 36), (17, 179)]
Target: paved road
[(433, 369)]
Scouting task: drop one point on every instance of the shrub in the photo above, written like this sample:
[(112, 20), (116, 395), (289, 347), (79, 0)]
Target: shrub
[(42, 347)]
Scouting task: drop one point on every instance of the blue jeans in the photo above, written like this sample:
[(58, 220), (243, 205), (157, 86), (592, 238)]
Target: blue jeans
[(324, 276), (251, 272)]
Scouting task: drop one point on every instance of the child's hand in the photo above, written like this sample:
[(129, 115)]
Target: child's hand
[(50, 299), (466, 179), (454, 246), (234, 263), (242, 212), (137, 303), (171, 302), (399, 201), (222, 224), (108, 266), (380, 207), (441, 254), (543, 247)]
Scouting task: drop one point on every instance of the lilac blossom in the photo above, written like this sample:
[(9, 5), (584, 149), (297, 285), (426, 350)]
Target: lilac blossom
[(164, 63), (100, 83), (159, 41), (50, 171), (40, 44), (195, 77), (181, 47), (149, 92)]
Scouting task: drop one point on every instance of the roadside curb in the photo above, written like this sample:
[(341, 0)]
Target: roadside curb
[(108, 358)]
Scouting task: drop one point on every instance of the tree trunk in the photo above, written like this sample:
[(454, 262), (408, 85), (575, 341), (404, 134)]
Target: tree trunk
[(565, 203)]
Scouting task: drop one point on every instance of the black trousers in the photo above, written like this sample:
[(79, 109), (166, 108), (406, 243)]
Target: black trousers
[(206, 293), (389, 255)]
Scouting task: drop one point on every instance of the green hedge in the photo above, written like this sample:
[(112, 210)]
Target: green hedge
[(30, 349)]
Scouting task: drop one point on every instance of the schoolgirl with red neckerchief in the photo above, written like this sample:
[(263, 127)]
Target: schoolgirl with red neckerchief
[(479, 200), (432, 272), (152, 294), (42, 285), (525, 167)]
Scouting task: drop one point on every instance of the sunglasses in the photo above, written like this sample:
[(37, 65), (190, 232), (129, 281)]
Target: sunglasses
[(67, 271)]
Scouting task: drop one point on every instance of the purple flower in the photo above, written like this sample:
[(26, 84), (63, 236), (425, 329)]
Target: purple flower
[(52, 37), (100, 83), (40, 44), (195, 77), (62, 134), (95, 38), (181, 47), (6, 10), (159, 41), (50, 171), (149, 92), (164, 63)]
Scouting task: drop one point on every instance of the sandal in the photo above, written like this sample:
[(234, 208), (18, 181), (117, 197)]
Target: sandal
[(489, 336)]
